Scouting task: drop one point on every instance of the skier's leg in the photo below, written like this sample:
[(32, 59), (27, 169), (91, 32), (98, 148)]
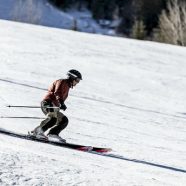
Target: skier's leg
[(51, 119), (60, 125), (49, 122)]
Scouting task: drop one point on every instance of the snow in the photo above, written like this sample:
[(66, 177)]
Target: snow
[(43, 13), (131, 99), (37, 12)]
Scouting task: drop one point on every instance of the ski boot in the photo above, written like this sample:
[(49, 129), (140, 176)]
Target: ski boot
[(55, 137), (38, 133)]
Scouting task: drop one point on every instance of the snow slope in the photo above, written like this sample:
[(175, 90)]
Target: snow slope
[(43, 13), (131, 99), (37, 12)]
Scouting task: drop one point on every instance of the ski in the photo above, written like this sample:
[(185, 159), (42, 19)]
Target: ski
[(56, 143)]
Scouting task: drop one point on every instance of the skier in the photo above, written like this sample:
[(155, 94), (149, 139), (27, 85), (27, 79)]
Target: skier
[(57, 93)]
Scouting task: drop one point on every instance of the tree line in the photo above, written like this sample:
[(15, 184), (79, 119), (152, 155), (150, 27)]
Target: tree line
[(159, 20)]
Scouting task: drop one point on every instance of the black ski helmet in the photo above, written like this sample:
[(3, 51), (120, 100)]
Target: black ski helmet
[(74, 74)]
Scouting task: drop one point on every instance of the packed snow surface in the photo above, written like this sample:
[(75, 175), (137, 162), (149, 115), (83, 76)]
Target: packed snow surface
[(131, 99)]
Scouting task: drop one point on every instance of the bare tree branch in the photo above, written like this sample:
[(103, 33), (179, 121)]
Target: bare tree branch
[(172, 24)]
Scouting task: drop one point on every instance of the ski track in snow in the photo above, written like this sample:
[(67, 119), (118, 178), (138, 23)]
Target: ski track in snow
[(139, 116)]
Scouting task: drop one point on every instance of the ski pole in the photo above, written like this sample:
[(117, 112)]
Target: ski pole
[(24, 117), (25, 106)]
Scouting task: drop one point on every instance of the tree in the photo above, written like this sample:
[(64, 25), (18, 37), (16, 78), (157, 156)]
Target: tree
[(172, 24), (103, 9), (138, 30), (63, 4), (149, 12), (127, 17), (145, 10), (98, 9)]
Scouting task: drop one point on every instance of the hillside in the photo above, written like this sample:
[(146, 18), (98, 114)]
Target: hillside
[(131, 99), (43, 13)]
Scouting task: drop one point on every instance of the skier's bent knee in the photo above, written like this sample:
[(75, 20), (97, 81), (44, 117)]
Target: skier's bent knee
[(65, 120)]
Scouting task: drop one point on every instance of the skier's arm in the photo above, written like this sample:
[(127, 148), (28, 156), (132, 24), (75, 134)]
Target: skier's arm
[(57, 90), (57, 93)]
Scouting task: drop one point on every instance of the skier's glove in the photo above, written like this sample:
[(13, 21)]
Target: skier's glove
[(62, 105)]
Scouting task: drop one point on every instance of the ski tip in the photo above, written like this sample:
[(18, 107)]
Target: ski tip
[(104, 150), (85, 148)]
